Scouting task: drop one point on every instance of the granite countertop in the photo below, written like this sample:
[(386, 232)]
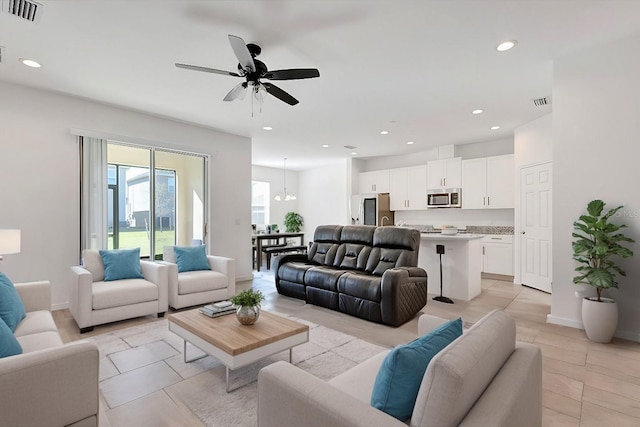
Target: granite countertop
[(465, 230), (459, 236)]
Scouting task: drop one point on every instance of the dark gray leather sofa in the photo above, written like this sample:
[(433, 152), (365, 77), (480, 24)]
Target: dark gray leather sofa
[(366, 271)]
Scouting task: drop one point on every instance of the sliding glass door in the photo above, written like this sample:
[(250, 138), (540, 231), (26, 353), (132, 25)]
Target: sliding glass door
[(155, 198)]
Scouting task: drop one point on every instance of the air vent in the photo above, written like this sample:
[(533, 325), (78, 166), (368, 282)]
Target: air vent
[(350, 147), (2, 53), (23, 9), (539, 102)]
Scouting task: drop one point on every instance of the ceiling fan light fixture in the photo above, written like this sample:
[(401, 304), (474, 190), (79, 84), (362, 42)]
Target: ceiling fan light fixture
[(507, 45)]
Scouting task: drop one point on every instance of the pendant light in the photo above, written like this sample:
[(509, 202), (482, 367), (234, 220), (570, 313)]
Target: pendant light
[(284, 196)]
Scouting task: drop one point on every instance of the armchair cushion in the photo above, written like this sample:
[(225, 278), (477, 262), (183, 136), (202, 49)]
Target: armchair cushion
[(191, 258), (123, 292), (398, 381), (121, 264), (201, 281), (11, 307), (9, 345)]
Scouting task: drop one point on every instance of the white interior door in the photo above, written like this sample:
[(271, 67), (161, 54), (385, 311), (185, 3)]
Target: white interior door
[(535, 223)]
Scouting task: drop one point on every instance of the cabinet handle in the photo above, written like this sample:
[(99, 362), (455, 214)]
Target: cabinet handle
[(488, 201), (522, 232), (484, 201), (444, 181), (408, 203), (483, 250)]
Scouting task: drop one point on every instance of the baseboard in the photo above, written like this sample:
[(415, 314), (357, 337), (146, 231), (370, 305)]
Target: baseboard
[(493, 276), (61, 306), (628, 335), (564, 321)]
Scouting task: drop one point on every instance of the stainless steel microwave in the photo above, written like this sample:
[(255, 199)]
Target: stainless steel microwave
[(444, 198)]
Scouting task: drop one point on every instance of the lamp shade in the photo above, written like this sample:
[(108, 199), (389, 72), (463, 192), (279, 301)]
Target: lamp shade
[(9, 242)]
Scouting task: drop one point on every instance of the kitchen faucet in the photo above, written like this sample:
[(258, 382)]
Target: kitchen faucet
[(383, 218)]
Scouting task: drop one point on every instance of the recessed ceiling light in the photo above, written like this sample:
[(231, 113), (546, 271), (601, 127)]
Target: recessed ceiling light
[(504, 46), (267, 128), (478, 111), (325, 145), (410, 142), (384, 132), (30, 63), (353, 153), (495, 127)]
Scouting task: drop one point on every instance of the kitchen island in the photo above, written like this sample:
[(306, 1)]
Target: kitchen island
[(461, 264)]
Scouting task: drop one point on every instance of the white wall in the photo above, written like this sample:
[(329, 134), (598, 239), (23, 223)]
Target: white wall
[(275, 177), (596, 99), (324, 196), (532, 145), (39, 175)]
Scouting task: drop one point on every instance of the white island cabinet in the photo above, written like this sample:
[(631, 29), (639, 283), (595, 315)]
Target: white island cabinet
[(461, 264)]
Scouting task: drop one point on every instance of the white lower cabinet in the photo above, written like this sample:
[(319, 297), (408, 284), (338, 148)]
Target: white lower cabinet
[(497, 254)]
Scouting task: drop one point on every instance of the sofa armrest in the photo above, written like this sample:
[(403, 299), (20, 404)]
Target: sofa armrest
[(289, 396), (404, 293), (172, 278), (54, 387), (279, 260), (226, 266), (35, 295), (81, 296), (157, 273)]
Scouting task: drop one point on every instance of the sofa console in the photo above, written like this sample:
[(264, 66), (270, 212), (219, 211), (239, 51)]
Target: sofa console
[(366, 271)]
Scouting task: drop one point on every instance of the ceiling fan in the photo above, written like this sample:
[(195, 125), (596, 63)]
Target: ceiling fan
[(253, 70)]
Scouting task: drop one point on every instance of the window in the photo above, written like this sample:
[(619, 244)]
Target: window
[(260, 199)]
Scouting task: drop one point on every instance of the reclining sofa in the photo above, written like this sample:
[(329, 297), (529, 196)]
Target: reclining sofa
[(365, 271)]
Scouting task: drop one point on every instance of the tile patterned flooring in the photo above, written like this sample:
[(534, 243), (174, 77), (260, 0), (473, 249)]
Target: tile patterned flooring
[(584, 383)]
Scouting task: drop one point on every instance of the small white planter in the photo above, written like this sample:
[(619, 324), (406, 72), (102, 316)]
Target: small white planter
[(600, 319)]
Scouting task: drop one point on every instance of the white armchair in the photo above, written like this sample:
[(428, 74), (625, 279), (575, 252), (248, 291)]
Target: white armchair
[(92, 301), (191, 288)]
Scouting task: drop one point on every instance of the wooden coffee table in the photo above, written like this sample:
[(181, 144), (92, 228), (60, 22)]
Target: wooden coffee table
[(237, 345)]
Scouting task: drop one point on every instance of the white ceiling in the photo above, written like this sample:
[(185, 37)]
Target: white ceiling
[(414, 68)]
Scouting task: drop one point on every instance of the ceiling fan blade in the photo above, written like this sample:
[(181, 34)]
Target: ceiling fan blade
[(237, 92), (242, 53), (279, 93), (207, 70), (292, 74)]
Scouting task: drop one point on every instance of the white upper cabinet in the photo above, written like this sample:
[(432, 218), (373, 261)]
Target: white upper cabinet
[(408, 188), (374, 182), (444, 173), (488, 183)]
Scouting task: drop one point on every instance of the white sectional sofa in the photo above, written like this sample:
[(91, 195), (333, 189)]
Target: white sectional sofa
[(483, 378), (51, 384)]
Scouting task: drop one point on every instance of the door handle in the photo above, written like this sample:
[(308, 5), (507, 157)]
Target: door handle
[(522, 232)]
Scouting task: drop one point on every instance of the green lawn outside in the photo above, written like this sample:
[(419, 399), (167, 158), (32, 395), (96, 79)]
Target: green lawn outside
[(139, 239)]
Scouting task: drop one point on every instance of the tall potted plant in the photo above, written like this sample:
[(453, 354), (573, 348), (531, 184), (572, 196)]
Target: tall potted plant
[(596, 245), (293, 222)]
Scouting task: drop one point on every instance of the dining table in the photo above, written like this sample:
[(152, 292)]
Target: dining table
[(260, 238)]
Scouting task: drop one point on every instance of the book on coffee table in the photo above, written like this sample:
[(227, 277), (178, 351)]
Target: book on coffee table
[(217, 309)]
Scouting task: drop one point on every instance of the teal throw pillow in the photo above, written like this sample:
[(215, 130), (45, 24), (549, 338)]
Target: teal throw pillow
[(11, 308), (398, 382), (121, 264), (191, 258), (9, 345)]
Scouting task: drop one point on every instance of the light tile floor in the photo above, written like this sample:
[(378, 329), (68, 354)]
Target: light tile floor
[(584, 383)]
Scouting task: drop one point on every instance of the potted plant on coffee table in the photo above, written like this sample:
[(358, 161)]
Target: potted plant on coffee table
[(596, 245), (247, 305)]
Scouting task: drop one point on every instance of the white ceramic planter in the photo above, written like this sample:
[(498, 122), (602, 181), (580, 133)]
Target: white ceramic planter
[(600, 319)]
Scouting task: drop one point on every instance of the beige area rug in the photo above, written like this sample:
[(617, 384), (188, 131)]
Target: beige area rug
[(141, 360)]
